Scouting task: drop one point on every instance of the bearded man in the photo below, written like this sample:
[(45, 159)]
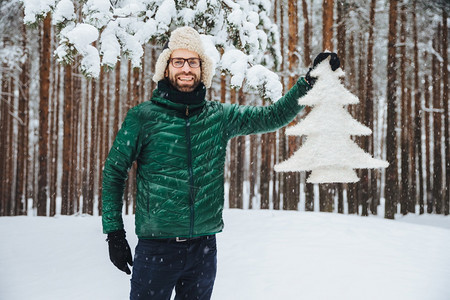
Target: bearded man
[(179, 141)]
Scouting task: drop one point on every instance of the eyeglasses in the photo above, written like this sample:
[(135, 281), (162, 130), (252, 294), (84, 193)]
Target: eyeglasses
[(178, 62)]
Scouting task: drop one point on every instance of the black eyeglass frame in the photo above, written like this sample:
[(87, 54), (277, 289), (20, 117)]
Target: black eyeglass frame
[(184, 62)]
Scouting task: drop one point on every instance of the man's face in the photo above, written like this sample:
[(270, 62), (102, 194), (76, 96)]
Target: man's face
[(186, 78)]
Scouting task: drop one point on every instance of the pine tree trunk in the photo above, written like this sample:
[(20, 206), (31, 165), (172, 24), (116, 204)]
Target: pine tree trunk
[(86, 149), (22, 142), (369, 112), (309, 187), (54, 141), (57, 154), (326, 194), (107, 144), (67, 138), (136, 100), (445, 102), (282, 155), (342, 8), (412, 189), (93, 149), (269, 140), (10, 152), (44, 78), (360, 188), (154, 58), (351, 65), (8, 123), (306, 35), (74, 204), (253, 168), (263, 174), (232, 189), (427, 117), (363, 115), (351, 79), (309, 194), (328, 22), (282, 178), (404, 186), (240, 158), (81, 147), (27, 155), (127, 191), (223, 98), (136, 87), (142, 71), (269, 164), (391, 184), (340, 192), (275, 177), (34, 171), (272, 144), (437, 126), (418, 115), (101, 134), (116, 99), (292, 181), (3, 137)]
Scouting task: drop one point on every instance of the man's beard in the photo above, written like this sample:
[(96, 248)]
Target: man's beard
[(181, 86)]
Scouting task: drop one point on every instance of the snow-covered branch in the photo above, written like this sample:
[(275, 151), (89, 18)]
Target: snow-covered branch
[(110, 29), (432, 110)]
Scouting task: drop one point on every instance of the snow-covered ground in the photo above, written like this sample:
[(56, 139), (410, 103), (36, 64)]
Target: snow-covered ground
[(261, 255)]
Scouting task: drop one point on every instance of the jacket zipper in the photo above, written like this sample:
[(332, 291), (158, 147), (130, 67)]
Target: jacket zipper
[(191, 175)]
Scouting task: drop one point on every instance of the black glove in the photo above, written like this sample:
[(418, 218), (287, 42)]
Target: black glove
[(119, 250), (334, 64)]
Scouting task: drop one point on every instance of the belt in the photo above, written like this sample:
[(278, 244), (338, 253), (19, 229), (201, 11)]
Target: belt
[(180, 239), (183, 239)]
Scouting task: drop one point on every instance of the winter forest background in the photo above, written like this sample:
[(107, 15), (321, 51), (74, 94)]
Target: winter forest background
[(58, 121)]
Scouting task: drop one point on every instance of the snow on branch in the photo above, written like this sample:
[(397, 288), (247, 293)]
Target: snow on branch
[(36, 10), (11, 56), (265, 81), (79, 39), (64, 12), (107, 31)]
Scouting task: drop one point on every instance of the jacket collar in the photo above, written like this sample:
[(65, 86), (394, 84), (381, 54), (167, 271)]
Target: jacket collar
[(187, 104)]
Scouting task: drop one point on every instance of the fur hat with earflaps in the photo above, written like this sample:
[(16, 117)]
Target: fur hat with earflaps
[(185, 38)]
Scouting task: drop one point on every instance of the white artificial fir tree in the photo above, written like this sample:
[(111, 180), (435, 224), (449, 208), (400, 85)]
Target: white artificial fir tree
[(328, 152)]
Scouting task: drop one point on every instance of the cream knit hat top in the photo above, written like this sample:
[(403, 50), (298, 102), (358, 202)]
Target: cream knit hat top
[(185, 38)]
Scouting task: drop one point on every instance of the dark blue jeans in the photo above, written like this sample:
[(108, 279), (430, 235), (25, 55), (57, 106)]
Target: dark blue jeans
[(161, 265)]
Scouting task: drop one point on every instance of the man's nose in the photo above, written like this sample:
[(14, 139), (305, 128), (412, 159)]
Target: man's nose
[(186, 67)]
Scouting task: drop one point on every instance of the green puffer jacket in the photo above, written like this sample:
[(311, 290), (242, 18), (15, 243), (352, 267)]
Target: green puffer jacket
[(180, 153)]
